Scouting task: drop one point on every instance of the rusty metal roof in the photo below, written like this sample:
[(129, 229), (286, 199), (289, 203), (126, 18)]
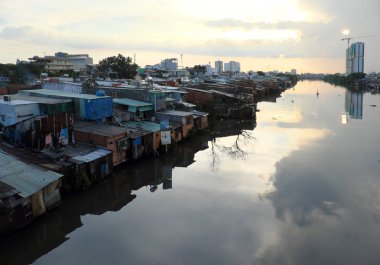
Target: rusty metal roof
[(99, 129), (27, 179)]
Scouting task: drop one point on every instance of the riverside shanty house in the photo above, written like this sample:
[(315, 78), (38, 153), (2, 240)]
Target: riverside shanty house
[(200, 120), (154, 130), (126, 109), (199, 96), (81, 164), (35, 122), (87, 107), (176, 98), (140, 142), (26, 192), (182, 117), (111, 137)]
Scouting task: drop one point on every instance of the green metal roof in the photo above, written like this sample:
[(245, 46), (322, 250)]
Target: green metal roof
[(47, 92), (133, 105), (131, 102), (24, 178)]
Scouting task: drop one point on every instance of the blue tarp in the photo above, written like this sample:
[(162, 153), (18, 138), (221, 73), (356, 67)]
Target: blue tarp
[(136, 141), (96, 109), (164, 124)]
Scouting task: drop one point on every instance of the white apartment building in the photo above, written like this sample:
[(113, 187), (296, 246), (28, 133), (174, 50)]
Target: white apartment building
[(79, 61), (232, 66)]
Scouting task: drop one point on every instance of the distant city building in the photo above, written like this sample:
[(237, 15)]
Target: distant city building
[(232, 66), (79, 61), (293, 71), (219, 66), (52, 63), (209, 70), (227, 67), (169, 64), (355, 58)]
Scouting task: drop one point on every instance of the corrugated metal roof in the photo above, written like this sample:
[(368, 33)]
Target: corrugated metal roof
[(223, 93), (92, 155), (131, 102), (16, 102), (197, 89), (136, 133), (40, 99), (186, 104), (47, 92), (199, 113), (27, 179), (176, 113), (145, 125), (99, 129)]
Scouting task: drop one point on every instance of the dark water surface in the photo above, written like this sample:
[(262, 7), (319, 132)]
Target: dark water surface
[(302, 187)]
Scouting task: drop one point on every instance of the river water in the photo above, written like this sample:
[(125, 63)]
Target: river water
[(301, 185)]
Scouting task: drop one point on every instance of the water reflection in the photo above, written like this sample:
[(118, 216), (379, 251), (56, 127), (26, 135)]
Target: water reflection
[(354, 104), (52, 230), (327, 197), (153, 173), (240, 133)]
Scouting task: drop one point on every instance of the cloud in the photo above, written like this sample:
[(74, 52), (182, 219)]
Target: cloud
[(231, 23), (296, 29), (213, 46), (326, 204)]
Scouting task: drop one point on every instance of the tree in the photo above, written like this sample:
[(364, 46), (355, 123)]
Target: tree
[(21, 72), (199, 69), (260, 73), (123, 66)]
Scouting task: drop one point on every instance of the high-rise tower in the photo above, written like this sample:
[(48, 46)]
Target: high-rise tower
[(355, 58)]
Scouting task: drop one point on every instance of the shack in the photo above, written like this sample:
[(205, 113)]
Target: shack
[(16, 120), (200, 120), (107, 136), (158, 99), (131, 110), (87, 107), (15, 111), (183, 117), (153, 128), (82, 165), (26, 185), (140, 141), (199, 96), (56, 117)]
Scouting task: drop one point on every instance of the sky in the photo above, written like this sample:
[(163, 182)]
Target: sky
[(262, 35)]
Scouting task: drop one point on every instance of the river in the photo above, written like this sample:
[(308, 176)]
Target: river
[(301, 185)]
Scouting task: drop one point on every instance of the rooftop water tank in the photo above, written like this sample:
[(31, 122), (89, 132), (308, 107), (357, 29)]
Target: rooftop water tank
[(100, 93)]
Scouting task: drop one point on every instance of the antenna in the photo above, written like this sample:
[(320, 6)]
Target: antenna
[(134, 58), (181, 59)]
